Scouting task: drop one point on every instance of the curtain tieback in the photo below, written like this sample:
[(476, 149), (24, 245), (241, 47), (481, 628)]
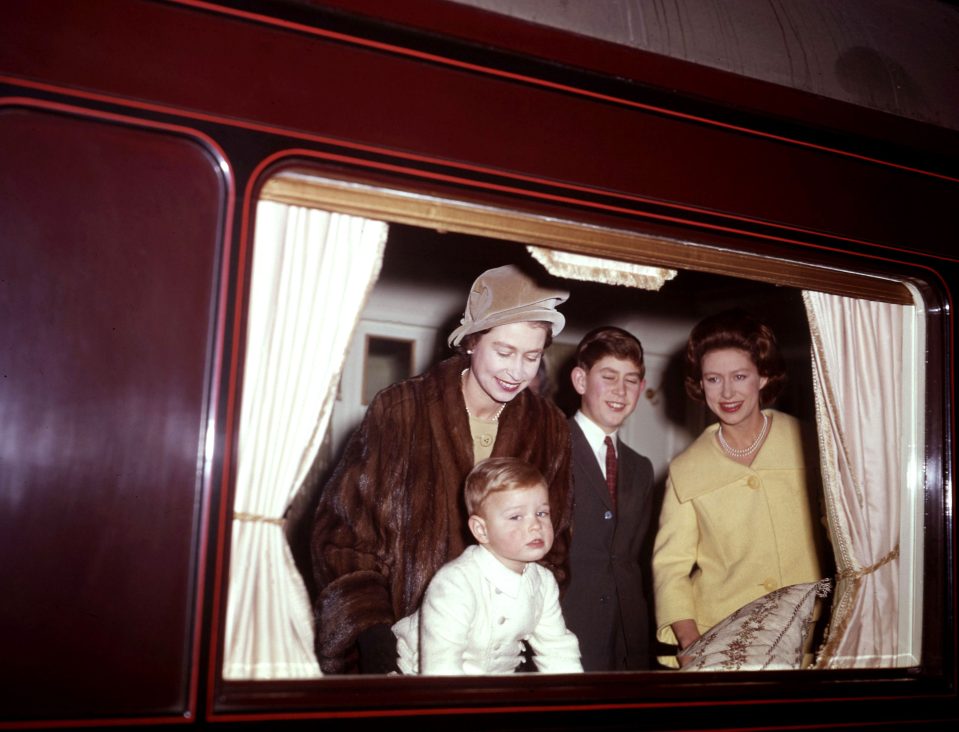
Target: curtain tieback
[(240, 516), (857, 573)]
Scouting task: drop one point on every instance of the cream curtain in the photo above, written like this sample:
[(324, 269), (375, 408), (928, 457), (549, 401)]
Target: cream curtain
[(312, 272), (858, 368)]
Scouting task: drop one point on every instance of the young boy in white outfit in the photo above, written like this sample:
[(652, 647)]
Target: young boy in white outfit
[(479, 608)]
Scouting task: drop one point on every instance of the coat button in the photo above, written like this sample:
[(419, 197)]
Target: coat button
[(769, 584), (753, 482), (608, 515), (501, 621)]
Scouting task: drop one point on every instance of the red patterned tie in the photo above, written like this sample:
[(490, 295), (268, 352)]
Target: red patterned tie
[(611, 470)]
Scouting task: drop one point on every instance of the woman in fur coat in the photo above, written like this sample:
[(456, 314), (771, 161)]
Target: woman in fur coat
[(392, 514)]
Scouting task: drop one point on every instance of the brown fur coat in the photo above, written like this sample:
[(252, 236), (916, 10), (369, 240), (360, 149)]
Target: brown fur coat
[(393, 511)]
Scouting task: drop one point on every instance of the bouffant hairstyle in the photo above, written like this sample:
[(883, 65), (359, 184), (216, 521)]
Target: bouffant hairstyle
[(608, 340), (735, 328), (493, 475), (469, 341)]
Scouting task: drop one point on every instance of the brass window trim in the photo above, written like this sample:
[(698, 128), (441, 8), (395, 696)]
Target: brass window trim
[(384, 204)]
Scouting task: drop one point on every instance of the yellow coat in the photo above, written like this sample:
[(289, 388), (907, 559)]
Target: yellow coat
[(729, 533)]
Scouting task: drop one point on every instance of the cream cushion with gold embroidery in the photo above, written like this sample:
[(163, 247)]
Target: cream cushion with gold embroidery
[(769, 633)]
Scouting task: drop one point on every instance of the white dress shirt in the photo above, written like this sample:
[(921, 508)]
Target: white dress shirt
[(596, 438)]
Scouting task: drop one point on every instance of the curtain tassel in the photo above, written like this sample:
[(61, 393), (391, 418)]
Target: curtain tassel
[(240, 516), (854, 574)]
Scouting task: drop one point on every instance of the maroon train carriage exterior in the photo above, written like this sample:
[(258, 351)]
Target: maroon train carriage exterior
[(135, 136)]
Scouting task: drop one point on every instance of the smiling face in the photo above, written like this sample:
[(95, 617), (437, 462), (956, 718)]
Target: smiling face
[(503, 363), (514, 524), (731, 385), (610, 390)]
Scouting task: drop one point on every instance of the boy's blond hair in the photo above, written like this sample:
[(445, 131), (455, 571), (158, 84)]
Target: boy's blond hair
[(498, 474)]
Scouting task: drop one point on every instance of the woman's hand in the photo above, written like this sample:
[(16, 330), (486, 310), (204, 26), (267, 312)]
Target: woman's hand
[(686, 634)]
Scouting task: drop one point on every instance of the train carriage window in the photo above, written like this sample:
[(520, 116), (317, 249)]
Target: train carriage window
[(374, 261)]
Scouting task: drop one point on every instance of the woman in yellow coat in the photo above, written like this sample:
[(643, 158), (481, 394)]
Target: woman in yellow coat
[(736, 521)]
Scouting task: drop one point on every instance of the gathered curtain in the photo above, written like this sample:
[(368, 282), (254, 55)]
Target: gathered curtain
[(312, 272), (857, 376)]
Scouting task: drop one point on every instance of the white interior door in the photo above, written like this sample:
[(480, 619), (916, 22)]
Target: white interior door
[(380, 354), (649, 430)]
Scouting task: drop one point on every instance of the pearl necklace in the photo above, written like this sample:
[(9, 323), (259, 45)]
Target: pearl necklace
[(748, 450), (495, 417), (468, 412)]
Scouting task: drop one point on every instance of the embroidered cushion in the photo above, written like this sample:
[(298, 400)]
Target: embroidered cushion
[(767, 634)]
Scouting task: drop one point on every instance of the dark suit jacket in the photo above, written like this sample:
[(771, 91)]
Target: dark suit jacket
[(605, 604)]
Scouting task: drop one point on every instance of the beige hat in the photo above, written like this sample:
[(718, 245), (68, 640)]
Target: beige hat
[(505, 295)]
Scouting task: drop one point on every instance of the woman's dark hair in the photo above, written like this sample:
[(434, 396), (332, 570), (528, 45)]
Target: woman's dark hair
[(735, 329), (469, 341)]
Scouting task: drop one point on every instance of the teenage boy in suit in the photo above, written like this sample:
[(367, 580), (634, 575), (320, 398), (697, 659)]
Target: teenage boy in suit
[(605, 604)]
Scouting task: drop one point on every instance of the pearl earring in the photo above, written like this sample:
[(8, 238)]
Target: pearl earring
[(469, 353)]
